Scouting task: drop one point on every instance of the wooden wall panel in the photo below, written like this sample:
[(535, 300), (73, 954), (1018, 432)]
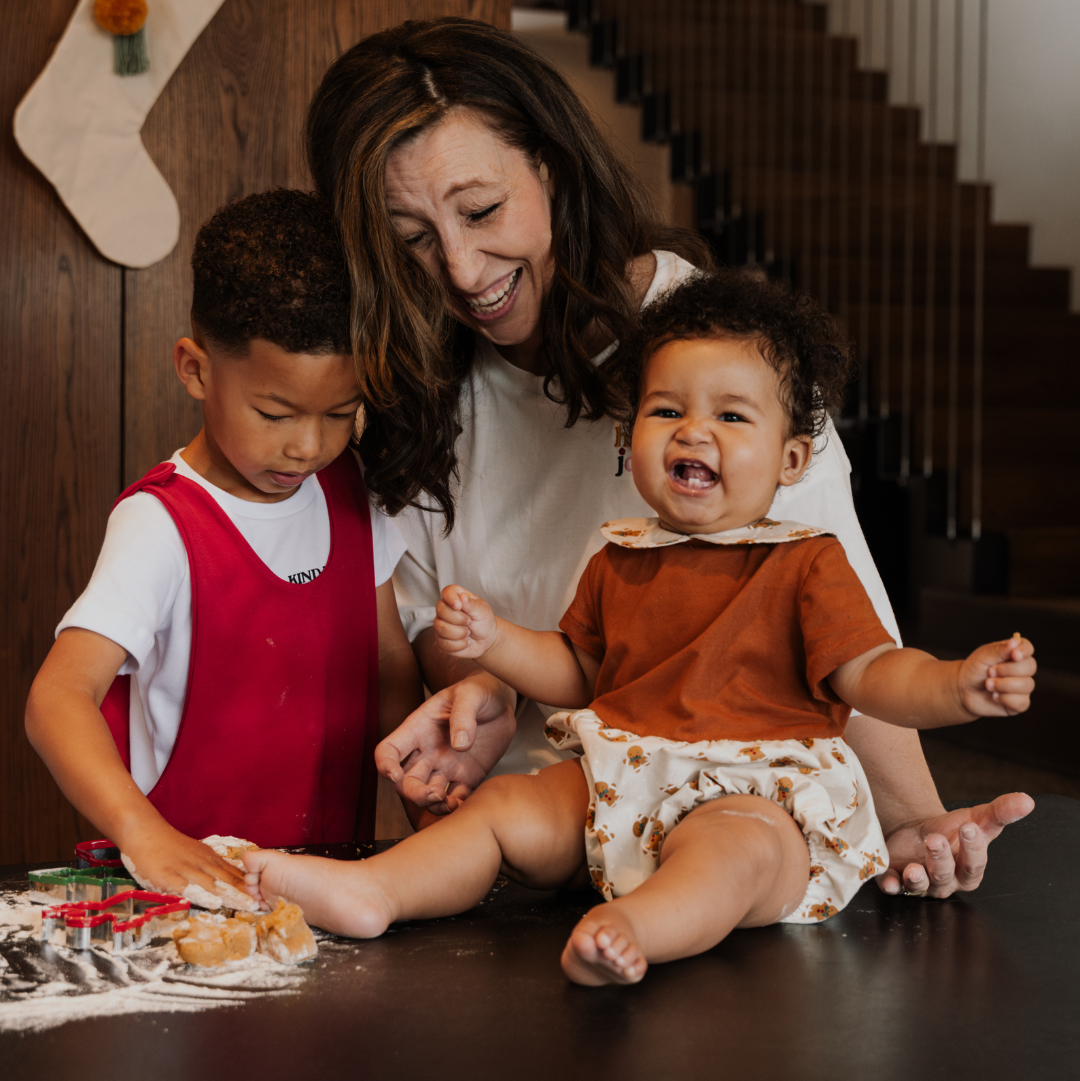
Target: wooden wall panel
[(91, 400), (60, 436), (229, 123)]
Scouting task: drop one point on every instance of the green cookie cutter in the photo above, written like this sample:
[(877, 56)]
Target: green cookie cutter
[(69, 885)]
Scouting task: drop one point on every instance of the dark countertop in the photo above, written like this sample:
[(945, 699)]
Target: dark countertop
[(982, 987)]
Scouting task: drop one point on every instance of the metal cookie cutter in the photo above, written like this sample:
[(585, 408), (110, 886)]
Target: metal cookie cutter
[(98, 854), (73, 885), (100, 874), (128, 920)]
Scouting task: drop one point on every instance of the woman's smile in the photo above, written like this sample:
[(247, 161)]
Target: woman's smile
[(497, 301)]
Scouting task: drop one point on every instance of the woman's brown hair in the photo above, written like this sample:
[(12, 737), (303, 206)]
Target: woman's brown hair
[(411, 354)]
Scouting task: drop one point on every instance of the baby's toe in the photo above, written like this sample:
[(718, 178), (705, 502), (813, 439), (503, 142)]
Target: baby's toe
[(255, 861), (616, 945)]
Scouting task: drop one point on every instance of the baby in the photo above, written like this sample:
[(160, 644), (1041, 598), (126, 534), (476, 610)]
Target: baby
[(719, 654)]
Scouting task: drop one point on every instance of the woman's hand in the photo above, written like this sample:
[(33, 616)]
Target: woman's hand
[(947, 853), (996, 680), (443, 750), (465, 625)]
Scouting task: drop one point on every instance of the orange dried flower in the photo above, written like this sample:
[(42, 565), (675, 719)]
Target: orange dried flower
[(122, 17)]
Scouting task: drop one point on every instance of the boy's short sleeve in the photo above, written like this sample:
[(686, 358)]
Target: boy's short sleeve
[(140, 571), (838, 620), (581, 622)]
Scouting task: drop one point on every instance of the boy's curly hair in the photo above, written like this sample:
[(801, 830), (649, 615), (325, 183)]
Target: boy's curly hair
[(272, 266), (808, 347)]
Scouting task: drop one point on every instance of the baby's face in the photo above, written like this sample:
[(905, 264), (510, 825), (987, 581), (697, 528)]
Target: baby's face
[(710, 442), (278, 417)]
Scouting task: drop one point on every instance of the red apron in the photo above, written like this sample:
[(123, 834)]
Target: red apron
[(280, 718)]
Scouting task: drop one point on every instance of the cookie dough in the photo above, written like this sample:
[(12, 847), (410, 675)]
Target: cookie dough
[(212, 940), (284, 934)]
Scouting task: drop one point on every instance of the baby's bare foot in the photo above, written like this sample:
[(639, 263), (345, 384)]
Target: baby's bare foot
[(344, 898), (603, 949)]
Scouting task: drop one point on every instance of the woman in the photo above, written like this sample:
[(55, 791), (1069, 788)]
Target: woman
[(498, 249)]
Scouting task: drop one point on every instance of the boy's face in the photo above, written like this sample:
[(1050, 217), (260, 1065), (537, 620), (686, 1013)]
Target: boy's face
[(710, 443), (270, 419)]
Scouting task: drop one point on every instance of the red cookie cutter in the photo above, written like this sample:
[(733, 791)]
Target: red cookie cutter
[(98, 854), (128, 920)]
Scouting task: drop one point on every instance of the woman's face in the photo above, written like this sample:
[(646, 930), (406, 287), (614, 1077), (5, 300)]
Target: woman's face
[(477, 213)]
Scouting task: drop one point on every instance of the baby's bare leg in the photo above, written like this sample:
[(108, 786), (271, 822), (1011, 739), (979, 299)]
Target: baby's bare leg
[(530, 828), (738, 861)]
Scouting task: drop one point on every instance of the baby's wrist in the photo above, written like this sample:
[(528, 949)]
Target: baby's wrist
[(961, 691), (491, 641), (494, 640)]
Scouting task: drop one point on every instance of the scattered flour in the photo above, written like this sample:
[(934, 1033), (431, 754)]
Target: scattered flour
[(45, 986)]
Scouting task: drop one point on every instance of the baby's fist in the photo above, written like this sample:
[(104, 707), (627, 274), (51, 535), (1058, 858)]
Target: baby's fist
[(997, 679), (464, 624)]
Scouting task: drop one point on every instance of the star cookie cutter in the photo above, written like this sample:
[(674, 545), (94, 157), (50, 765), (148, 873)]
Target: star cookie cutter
[(127, 920)]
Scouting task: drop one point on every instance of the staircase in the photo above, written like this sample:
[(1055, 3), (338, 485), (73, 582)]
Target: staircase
[(959, 425)]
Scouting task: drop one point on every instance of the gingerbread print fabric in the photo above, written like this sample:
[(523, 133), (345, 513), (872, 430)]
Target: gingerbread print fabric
[(643, 786)]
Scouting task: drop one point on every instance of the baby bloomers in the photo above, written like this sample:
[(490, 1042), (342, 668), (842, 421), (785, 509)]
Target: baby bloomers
[(641, 787)]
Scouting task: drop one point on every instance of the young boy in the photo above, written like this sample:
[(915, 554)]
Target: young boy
[(720, 653), (244, 586)]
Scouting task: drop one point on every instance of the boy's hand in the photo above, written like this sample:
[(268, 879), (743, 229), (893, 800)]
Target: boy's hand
[(170, 860), (465, 626), (996, 680)]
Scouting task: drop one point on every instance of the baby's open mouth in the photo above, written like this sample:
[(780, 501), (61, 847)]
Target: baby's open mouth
[(692, 474)]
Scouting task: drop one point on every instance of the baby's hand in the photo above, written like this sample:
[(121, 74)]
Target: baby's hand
[(996, 680), (465, 626)]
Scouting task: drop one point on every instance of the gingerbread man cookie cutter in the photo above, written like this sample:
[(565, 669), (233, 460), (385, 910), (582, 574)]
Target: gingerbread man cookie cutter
[(127, 921)]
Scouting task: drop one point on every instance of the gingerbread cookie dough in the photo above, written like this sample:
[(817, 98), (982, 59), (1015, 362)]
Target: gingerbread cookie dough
[(285, 935), (212, 940)]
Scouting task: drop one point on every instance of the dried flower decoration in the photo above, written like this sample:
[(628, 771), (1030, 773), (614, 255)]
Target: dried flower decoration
[(125, 20)]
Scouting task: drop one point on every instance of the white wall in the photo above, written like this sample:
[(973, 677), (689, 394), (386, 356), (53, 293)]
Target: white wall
[(1032, 150)]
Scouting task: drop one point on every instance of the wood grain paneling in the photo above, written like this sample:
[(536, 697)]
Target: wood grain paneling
[(229, 123), (91, 400), (60, 380)]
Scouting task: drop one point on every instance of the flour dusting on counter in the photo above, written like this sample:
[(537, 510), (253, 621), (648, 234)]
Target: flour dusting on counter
[(43, 985)]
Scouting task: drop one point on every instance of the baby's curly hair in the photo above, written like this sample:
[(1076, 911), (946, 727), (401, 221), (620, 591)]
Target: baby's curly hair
[(272, 266), (808, 347)]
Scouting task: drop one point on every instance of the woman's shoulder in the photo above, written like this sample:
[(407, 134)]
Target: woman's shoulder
[(655, 272)]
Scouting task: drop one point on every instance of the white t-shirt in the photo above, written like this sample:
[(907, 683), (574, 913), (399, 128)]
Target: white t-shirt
[(533, 495), (140, 593)]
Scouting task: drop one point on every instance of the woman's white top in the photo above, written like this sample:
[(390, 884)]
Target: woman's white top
[(140, 593), (532, 495)]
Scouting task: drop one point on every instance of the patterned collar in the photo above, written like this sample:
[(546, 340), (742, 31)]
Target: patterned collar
[(649, 533)]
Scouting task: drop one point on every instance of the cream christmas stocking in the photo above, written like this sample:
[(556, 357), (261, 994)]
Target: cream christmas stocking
[(80, 122)]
